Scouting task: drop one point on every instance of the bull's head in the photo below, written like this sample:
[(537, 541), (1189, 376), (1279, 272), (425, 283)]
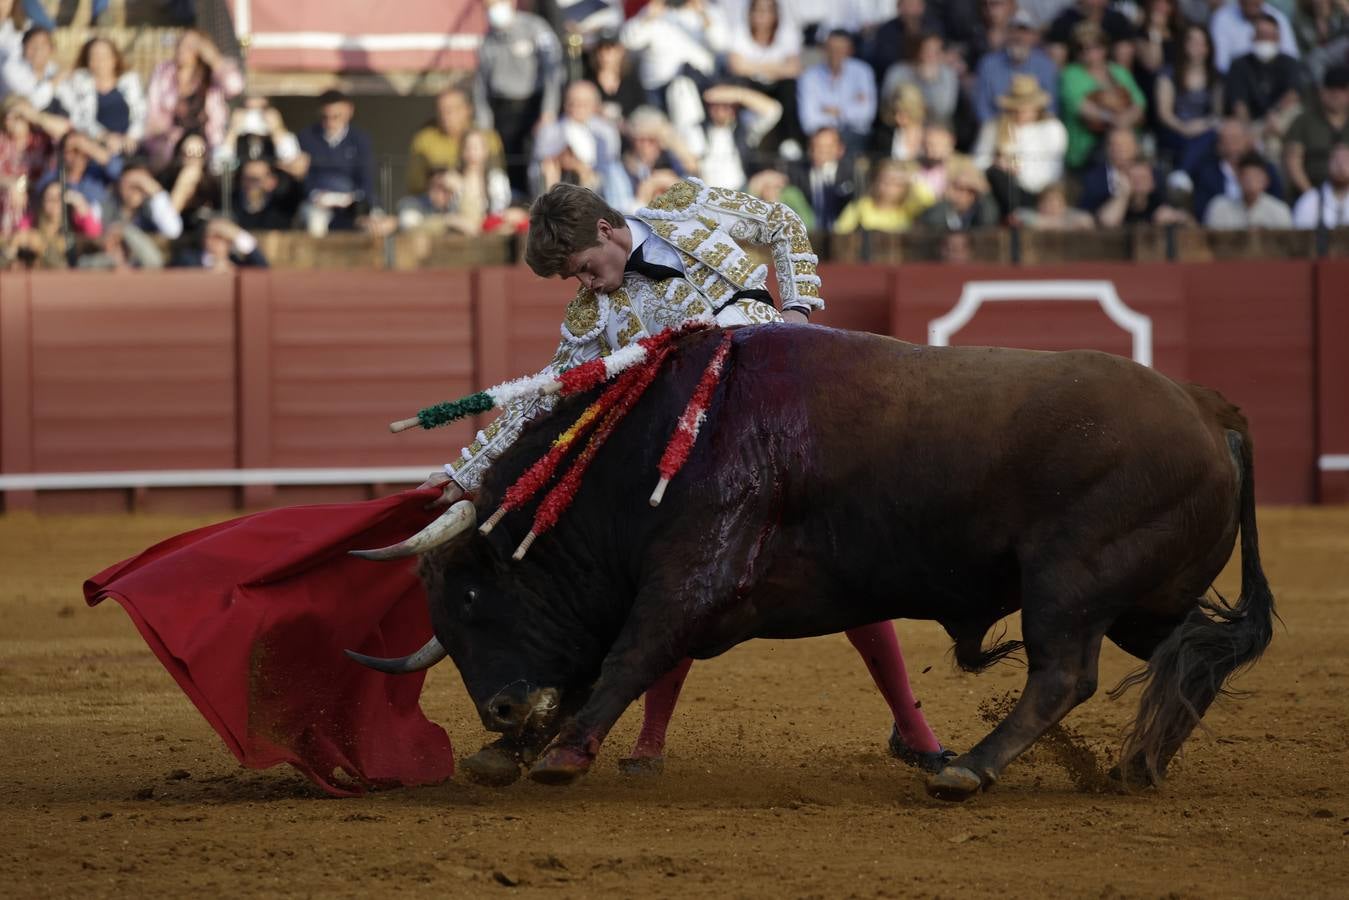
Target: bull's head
[(519, 655)]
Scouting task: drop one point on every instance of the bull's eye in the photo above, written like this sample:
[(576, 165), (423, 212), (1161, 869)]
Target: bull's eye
[(470, 597)]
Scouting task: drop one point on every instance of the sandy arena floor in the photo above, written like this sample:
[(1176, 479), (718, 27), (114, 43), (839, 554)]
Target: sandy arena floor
[(777, 783)]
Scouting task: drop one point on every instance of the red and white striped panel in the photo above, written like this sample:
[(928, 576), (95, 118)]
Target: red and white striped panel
[(326, 36)]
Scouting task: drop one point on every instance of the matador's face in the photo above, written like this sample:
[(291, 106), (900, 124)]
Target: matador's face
[(600, 267)]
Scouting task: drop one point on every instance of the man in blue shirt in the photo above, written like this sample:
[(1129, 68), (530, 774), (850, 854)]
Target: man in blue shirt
[(1020, 55), (838, 93), (339, 168)]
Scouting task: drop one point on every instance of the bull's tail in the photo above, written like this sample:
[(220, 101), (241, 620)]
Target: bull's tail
[(1188, 670)]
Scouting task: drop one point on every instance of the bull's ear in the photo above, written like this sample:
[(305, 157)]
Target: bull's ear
[(458, 519)]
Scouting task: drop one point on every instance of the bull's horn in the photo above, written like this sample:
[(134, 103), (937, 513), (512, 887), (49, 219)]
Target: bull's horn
[(457, 519), (430, 654)]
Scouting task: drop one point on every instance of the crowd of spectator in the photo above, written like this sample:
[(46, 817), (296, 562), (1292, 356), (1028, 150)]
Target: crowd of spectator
[(862, 115)]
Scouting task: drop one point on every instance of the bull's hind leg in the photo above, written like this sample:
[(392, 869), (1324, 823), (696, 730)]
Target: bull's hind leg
[(1062, 649)]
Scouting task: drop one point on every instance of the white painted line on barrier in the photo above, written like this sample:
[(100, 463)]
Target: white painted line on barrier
[(977, 293), (79, 481), (1334, 462), (369, 43)]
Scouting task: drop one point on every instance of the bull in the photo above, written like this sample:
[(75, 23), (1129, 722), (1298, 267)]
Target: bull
[(846, 478)]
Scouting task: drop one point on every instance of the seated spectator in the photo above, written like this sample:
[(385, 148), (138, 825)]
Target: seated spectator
[(257, 132), (987, 31), (1215, 175), (1255, 208), (675, 40), (1097, 95), (485, 198), (937, 156), (436, 210), (655, 159), (1322, 31), (1263, 86), (1020, 55), (1022, 151), (32, 72), (192, 187), (141, 201), (103, 99), (727, 144), (766, 50), (956, 249), (892, 203), (26, 149), (339, 169), (43, 236), (436, 145), (584, 19), (1052, 213), (888, 42), (1139, 198), (927, 70), (1107, 178), (1233, 26), (838, 93), (1118, 30), (66, 13), (611, 71), (966, 203), (11, 35), (265, 198), (1316, 131), (829, 181), (1189, 99), (1157, 41), (772, 186), (1327, 206), (569, 155), (519, 82), (89, 169), (189, 94), (898, 133), (223, 247), (581, 109), (122, 247)]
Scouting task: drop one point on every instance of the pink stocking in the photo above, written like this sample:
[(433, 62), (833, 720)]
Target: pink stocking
[(659, 708), (880, 650)]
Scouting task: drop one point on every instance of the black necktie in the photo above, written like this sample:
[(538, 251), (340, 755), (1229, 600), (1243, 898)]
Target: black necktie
[(637, 263)]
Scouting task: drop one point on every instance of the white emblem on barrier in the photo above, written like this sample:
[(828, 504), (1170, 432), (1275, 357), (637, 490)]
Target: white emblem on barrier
[(976, 293)]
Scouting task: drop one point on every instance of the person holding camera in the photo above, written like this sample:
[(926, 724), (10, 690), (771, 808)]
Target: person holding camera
[(257, 132)]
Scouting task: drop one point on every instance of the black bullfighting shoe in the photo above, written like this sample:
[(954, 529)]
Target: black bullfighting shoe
[(933, 761)]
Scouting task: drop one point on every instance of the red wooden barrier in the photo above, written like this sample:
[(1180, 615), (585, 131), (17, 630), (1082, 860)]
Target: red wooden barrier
[(122, 373), (1332, 387), (302, 369), (328, 359), (1242, 328)]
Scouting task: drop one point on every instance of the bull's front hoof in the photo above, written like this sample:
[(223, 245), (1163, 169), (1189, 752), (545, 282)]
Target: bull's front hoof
[(1134, 775), (493, 766), (954, 783), (642, 765), (923, 760), (560, 766)]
